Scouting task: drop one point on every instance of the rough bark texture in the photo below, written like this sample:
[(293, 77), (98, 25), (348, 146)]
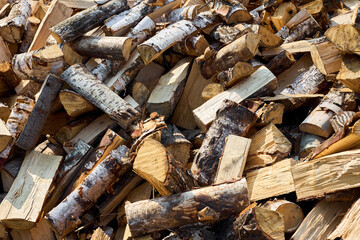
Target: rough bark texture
[(86, 20), (232, 118), (42, 109), (141, 31), (98, 94), (208, 204), (303, 30), (281, 62), (31, 28)]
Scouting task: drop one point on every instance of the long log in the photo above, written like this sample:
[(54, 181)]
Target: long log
[(31, 28), (78, 24), (208, 204), (231, 119), (98, 94)]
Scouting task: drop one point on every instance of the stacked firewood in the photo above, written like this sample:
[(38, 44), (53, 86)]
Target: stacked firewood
[(171, 119)]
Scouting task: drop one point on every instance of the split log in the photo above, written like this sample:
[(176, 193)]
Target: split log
[(186, 208), (86, 20), (291, 212), (345, 37), (265, 82), (190, 99), (79, 4), (40, 231), (176, 143), (227, 34), (299, 17), (192, 46), (38, 116), (94, 91), (166, 94), (36, 65), (304, 29), (265, 182), (118, 25), (100, 234), (164, 39), (349, 73), (321, 220), (65, 217), (71, 129), (280, 62), (6, 136), (259, 223), (355, 17), (232, 11), (27, 88), (113, 48), (267, 38), (283, 14), (31, 28), (233, 159), (141, 31), (164, 8), (326, 57), (145, 82), (268, 146), (308, 143), (304, 174), (4, 112), (6, 55), (21, 209), (75, 104), (166, 174), (9, 172), (235, 74), (184, 13), (270, 113), (211, 90), (12, 27), (242, 49), (231, 119), (7, 74)]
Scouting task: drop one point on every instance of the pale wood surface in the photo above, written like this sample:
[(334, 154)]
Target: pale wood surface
[(5, 135)]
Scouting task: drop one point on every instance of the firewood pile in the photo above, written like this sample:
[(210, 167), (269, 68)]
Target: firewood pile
[(171, 119)]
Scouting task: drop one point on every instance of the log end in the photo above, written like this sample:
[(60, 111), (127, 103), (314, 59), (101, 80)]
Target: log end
[(147, 53)]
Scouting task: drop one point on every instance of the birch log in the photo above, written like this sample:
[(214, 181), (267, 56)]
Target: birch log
[(113, 48), (83, 82), (37, 118), (141, 31), (65, 217), (31, 28), (12, 27), (208, 204), (231, 119), (86, 20)]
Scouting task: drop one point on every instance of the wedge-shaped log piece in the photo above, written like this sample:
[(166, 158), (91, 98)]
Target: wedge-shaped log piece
[(259, 223), (261, 79), (31, 27), (21, 208), (12, 27), (232, 11), (7, 73), (242, 49), (159, 167), (233, 159), (83, 82), (211, 90), (75, 104), (207, 204), (345, 37), (328, 174), (283, 14), (326, 57), (349, 73), (5, 136), (271, 181), (166, 94), (322, 220), (267, 38), (114, 48), (164, 39), (41, 230), (235, 74), (86, 20), (268, 145), (281, 62), (65, 217), (41, 111), (304, 29), (231, 119)]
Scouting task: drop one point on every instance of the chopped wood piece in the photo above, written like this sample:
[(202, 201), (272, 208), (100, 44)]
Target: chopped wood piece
[(5, 136), (79, 4), (235, 74), (265, 182), (9, 172), (291, 212), (211, 90), (283, 14), (4, 112), (308, 143), (231, 119), (176, 144), (40, 231), (268, 146), (259, 223), (303, 29), (232, 11), (31, 28), (342, 164), (280, 62), (267, 38), (114, 48), (265, 80), (12, 27), (242, 49), (98, 94), (349, 73), (5, 51), (355, 17), (321, 220), (37, 118), (164, 39), (158, 167), (345, 37), (326, 57), (192, 46), (186, 208), (7, 73), (270, 113), (233, 159), (21, 209), (36, 65), (301, 16), (166, 94), (100, 234), (75, 104), (65, 217), (86, 20), (339, 121)]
